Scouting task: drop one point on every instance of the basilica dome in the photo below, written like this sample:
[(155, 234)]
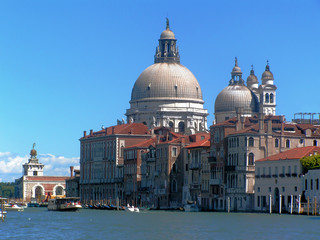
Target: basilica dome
[(236, 96), (166, 81)]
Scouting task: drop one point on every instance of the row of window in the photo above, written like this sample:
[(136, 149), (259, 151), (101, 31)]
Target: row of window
[(275, 170), (311, 181)]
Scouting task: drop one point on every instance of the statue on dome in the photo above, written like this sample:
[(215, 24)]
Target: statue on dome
[(168, 27)]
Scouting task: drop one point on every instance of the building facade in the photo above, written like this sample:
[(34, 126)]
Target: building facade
[(34, 186)]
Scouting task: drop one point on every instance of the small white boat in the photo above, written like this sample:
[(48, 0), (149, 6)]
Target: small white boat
[(13, 207), (132, 208), (4, 214)]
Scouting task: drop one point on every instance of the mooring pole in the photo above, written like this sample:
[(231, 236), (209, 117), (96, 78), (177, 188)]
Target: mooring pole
[(291, 207), (308, 205), (270, 203), (280, 202), (299, 208), (228, 204)]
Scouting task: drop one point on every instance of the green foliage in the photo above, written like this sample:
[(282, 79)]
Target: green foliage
[(7, 190), (310, 162)]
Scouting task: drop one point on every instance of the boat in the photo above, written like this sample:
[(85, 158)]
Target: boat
[(132, 208), (64, 204), (191, 207), (3, 213), (13, 207)]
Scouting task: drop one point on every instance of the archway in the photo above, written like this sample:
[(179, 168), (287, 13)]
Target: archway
[(38, 193)]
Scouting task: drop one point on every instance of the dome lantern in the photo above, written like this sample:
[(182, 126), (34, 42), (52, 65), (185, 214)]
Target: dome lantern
[(167, 51), (236, 74)]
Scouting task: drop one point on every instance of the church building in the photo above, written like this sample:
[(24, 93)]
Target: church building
[(33, 185)]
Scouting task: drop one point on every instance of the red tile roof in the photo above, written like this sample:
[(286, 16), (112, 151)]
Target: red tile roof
[(144, 144), (295, 153), (202, 143), (128, 128)]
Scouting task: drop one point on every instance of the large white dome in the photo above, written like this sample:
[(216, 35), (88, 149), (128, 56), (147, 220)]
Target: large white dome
[(166, 81)]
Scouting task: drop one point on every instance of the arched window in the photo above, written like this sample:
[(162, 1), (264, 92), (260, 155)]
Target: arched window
[(171, 124), (287, 143), (181, 126), (251, 142), (267, 98), (315, 143), (276, 142), (251, 159), (271, 98), (59, 190), (174, 186)]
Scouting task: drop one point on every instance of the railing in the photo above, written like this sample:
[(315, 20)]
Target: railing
[(195, 186), (230, 168), (215, 181), (194, 166), (212, 159)]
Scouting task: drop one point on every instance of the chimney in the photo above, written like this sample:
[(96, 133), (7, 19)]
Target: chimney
[(91, 132), (238, 114), (71, 171), (242, 119), (261, 123), (84, 133), (282, 120), (270, 125)]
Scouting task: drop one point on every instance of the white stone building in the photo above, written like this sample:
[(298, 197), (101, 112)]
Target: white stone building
[(281, 176)]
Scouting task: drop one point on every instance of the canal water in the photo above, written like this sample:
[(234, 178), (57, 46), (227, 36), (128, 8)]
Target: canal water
[(39, 223)]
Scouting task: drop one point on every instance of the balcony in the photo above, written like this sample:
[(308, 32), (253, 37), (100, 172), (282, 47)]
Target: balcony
[(151, 159), (281, 175), (215, 181), (230, 168), (195, 166), (195, 186), (288, 174), (144, 189), (212, 159), (275, 175), (118, 180), (294, 174)]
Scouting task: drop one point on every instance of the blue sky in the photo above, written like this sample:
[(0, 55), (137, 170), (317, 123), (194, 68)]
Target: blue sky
[(69, 66)]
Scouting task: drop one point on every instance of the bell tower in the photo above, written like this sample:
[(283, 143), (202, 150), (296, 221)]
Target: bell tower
[(33, 167), (267, 92)]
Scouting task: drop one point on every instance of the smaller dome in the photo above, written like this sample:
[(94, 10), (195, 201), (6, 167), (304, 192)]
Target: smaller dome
[(267, 75), (252, 78), (167, 34), (234, 96)]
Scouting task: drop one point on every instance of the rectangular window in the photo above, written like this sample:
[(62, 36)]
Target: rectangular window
[(258, 201), (174, 152), (311, 184), (317, 183)]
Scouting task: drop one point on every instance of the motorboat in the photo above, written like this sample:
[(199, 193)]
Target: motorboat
[(132, 208), (64, 204), (13, 207), (191, 207)]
